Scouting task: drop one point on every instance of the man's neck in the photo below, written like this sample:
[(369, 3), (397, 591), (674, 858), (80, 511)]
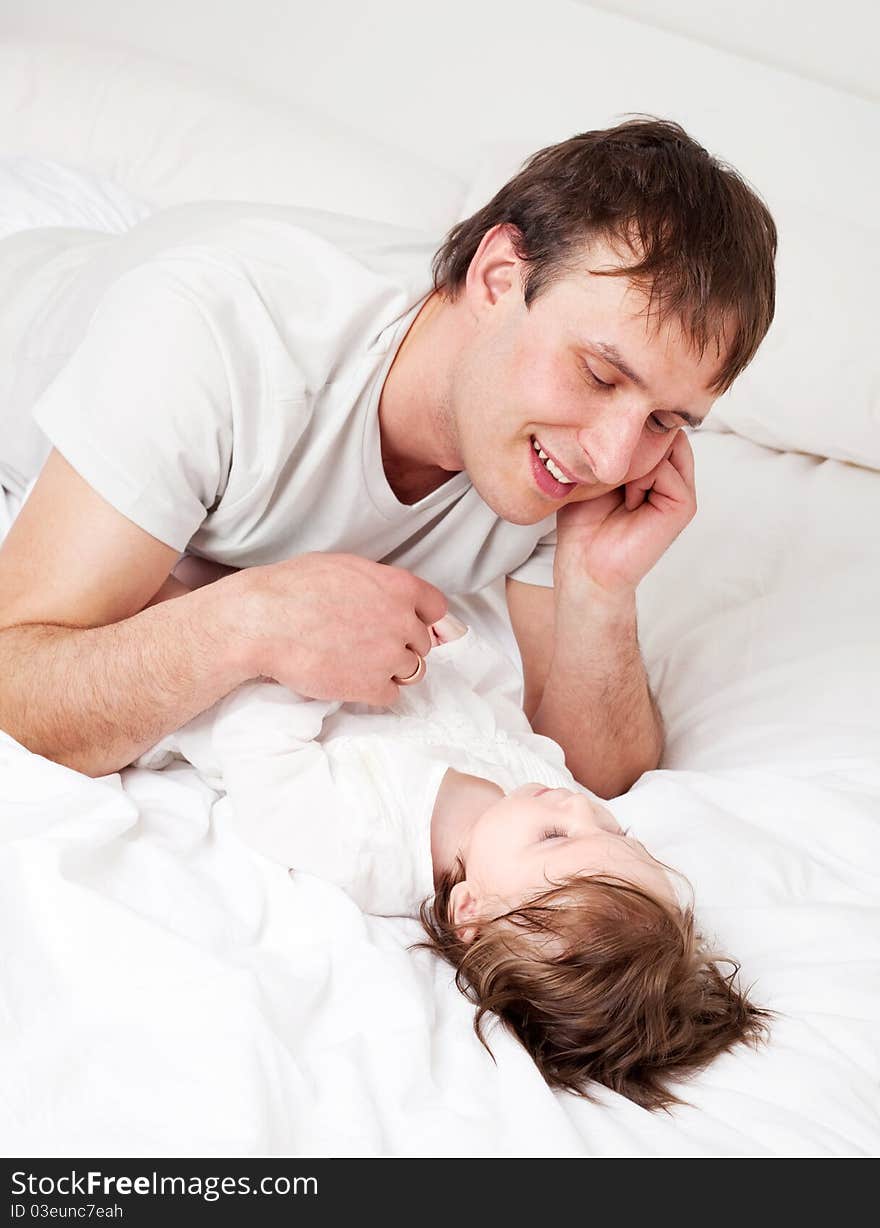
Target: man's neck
[(418, 452), (460, 801), (409, 483)]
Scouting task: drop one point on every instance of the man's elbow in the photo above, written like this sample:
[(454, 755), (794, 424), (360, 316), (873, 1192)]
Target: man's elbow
[(69, 752), (648, 761), (612, 785), (617, 779)]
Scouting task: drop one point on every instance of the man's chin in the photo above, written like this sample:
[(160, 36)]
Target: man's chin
[(586, 494), (521, 512)]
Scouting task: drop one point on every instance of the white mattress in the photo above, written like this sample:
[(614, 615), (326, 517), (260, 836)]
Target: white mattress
[(168, 991)]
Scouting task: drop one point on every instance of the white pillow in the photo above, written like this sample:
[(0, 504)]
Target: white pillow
[(169, 134), (759, 624), (36, 192), (814, 385), (39, 192)]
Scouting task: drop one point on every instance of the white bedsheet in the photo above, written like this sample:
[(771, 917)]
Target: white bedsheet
[(165, 990)]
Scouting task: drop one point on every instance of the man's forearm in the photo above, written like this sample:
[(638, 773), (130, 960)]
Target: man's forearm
[(95, 698), (596, 702)]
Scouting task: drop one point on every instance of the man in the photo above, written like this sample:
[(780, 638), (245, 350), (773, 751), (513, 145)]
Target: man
[(286, 402)]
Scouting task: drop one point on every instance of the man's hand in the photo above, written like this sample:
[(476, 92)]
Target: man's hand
[(586, 685), (615, 540), (334, 626)]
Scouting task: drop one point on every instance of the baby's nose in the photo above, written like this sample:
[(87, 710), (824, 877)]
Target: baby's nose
[(606, 820)]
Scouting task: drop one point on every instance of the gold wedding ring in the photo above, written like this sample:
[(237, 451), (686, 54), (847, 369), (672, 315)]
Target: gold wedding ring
[(416, 676)]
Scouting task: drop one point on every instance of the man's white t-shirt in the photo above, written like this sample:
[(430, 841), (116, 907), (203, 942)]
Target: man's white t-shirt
[(223, 363)]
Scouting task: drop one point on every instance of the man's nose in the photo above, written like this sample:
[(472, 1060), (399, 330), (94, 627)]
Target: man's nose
[(609, 443)]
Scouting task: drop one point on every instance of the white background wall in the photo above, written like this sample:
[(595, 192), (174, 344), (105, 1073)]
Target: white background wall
[(833, 42)]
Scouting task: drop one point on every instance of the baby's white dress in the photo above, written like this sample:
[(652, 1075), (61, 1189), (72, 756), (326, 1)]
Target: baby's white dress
[(346, 791)]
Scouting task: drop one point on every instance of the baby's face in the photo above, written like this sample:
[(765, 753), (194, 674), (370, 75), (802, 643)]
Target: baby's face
[(535, 834)]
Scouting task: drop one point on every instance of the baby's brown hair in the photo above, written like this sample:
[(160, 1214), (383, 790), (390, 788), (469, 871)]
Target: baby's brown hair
[(601, 982)]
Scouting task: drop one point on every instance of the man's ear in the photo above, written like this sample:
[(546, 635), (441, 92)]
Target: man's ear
[(496, 266), (464, 907)]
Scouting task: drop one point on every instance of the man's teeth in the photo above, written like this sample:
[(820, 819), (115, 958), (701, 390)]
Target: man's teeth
[(550, 465)]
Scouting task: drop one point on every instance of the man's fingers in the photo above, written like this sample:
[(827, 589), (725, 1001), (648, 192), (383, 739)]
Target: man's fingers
[(681, 457), (409, 663), (419, 637), (634, 496), (671, 485), (663, 482), (634, 492), (430, 603), (385, 696), (674, 475)]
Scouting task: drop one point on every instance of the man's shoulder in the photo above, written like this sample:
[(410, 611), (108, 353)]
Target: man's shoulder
[(279, 269)]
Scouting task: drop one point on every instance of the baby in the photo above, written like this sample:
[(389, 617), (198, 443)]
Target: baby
[(449, 808)]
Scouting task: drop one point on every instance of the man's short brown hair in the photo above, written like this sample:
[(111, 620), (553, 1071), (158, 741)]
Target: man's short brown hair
[(705, 242)]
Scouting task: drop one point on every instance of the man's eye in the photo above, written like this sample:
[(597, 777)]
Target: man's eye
[(600, 383), (552, 833), (658, 427)]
